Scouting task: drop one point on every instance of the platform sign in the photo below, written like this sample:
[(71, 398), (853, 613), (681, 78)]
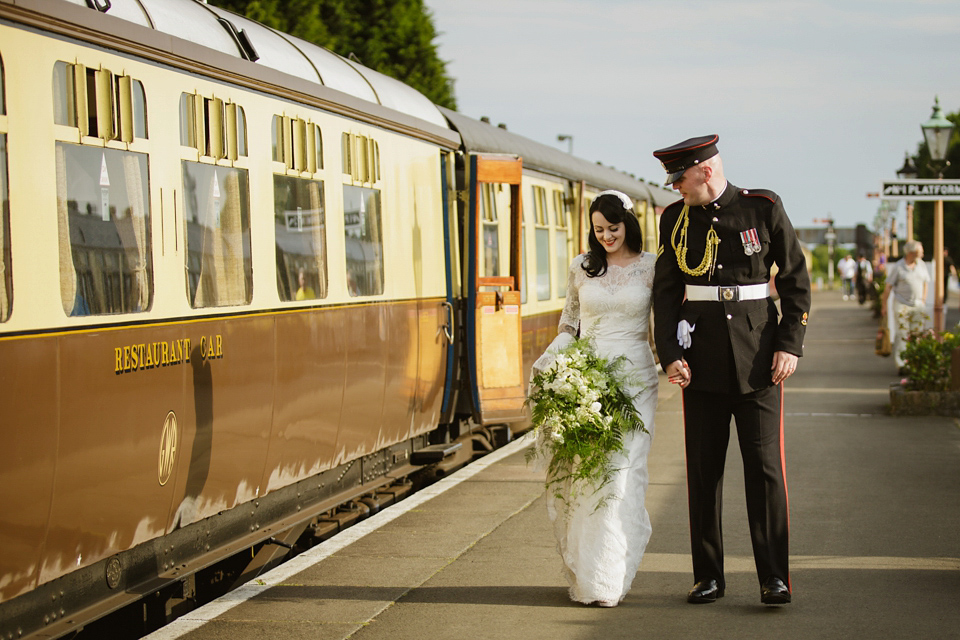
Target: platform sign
[(921, 190)]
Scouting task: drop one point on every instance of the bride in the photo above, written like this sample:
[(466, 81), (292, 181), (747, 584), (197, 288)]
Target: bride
[(608, 299)]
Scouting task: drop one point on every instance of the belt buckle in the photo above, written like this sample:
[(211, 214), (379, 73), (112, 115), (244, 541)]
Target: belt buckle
[(730, 294)]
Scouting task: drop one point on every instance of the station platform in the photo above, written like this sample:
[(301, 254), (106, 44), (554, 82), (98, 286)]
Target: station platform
[(875, 535)]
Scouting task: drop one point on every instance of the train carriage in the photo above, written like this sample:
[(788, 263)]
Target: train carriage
[(245, 282)]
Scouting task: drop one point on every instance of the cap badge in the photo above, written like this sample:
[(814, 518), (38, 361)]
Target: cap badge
[(751, 241)]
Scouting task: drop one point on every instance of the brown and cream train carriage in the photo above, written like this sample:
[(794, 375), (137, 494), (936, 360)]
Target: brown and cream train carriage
[(237, 291), (223, 296)]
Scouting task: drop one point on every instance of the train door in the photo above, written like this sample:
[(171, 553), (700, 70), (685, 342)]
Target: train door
[(493, 287)]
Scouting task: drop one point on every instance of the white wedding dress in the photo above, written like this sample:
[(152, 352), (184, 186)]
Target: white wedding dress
[(602, 548)]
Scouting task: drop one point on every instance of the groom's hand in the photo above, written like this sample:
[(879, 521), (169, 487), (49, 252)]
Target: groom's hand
[(678, 372), (784, 364)]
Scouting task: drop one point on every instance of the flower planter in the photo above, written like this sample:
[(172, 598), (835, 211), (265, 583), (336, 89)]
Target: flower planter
[(923, 403)]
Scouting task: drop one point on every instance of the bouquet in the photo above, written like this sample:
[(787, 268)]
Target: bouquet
[(580, 413)]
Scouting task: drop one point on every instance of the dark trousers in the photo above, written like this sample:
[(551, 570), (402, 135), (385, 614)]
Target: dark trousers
[(759, 418)]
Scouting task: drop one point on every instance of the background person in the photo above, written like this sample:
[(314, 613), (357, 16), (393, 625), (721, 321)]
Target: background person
[(718, 337), (949, 269), (864, 278), (848, 271), (907, 279), (305, 291)]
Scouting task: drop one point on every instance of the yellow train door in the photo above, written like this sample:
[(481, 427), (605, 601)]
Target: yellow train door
[(493, 285)]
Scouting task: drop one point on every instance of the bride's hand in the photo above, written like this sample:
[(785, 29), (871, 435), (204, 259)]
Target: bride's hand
[(678, 372)]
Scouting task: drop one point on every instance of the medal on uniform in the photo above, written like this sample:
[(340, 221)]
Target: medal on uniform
[(751, 241)]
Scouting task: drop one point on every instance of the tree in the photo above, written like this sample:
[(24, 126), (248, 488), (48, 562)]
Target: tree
[(394, 37)]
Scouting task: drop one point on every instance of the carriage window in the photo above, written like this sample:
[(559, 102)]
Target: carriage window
[(300, 223), (560, 240), (139, 110), (276, 139), (6, 274), (364, 242), (523, 255), (361, 157), (542, 232), (297, 143), (215, 128), (63, 101), (99, 103), (241, 123), (491, 230), (104, 218), (217, 211)]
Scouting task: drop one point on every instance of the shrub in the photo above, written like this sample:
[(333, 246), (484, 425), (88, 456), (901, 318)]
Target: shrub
[(927, 359)]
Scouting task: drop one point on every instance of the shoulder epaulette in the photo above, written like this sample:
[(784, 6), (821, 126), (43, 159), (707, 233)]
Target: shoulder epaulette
[(762, 193)]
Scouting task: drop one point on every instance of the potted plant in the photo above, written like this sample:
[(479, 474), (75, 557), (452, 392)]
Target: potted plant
[(925, 388)]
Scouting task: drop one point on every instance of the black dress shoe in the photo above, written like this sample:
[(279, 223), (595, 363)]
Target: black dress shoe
[(705, 591), (773, 591)]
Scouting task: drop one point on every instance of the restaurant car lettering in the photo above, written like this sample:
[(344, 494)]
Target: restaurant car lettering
[(150, 355)]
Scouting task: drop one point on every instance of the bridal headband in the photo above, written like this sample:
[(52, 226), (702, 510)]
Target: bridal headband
[(624, 198)]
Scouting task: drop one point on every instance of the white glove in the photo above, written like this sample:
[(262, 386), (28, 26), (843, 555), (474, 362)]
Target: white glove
[(562, 341), (684, 329)]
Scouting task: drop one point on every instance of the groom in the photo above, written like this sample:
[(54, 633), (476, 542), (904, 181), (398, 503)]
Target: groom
[(719, 338)]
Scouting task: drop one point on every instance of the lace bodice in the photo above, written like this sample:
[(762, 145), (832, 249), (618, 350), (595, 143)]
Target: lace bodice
[(614, 305)]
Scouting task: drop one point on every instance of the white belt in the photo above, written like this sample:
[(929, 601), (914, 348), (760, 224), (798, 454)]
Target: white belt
[(735, 293)]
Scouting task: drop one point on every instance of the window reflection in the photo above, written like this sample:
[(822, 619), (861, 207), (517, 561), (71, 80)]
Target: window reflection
[(300, 224), (543, 264), (104, 218), (217, 211), (364, 243)]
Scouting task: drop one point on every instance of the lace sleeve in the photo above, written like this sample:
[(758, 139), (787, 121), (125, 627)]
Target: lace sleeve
[(570, 317)]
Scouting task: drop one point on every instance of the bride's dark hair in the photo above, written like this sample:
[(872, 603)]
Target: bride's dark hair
[(611, 207)]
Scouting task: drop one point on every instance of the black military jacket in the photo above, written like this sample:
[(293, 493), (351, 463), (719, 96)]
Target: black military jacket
[(733, 342)]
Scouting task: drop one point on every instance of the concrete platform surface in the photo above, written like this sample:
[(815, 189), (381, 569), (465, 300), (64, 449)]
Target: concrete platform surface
[(875, 536)]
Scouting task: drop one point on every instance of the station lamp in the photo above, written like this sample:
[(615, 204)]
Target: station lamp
[(908, 171), (937, 131)]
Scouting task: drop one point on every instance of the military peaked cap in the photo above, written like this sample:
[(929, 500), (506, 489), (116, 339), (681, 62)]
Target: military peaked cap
[(683, 155)]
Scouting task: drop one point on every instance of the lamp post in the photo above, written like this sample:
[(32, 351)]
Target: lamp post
[(829, 235), (569, 139), (937, 131), (908, 172)]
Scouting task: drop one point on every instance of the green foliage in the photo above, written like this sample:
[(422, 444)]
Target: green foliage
[(580, 412), (927, 359), (879, 284), (820, 258), (394, 37)]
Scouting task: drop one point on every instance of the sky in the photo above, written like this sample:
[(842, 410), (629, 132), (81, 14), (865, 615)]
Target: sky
[(818, 101)]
